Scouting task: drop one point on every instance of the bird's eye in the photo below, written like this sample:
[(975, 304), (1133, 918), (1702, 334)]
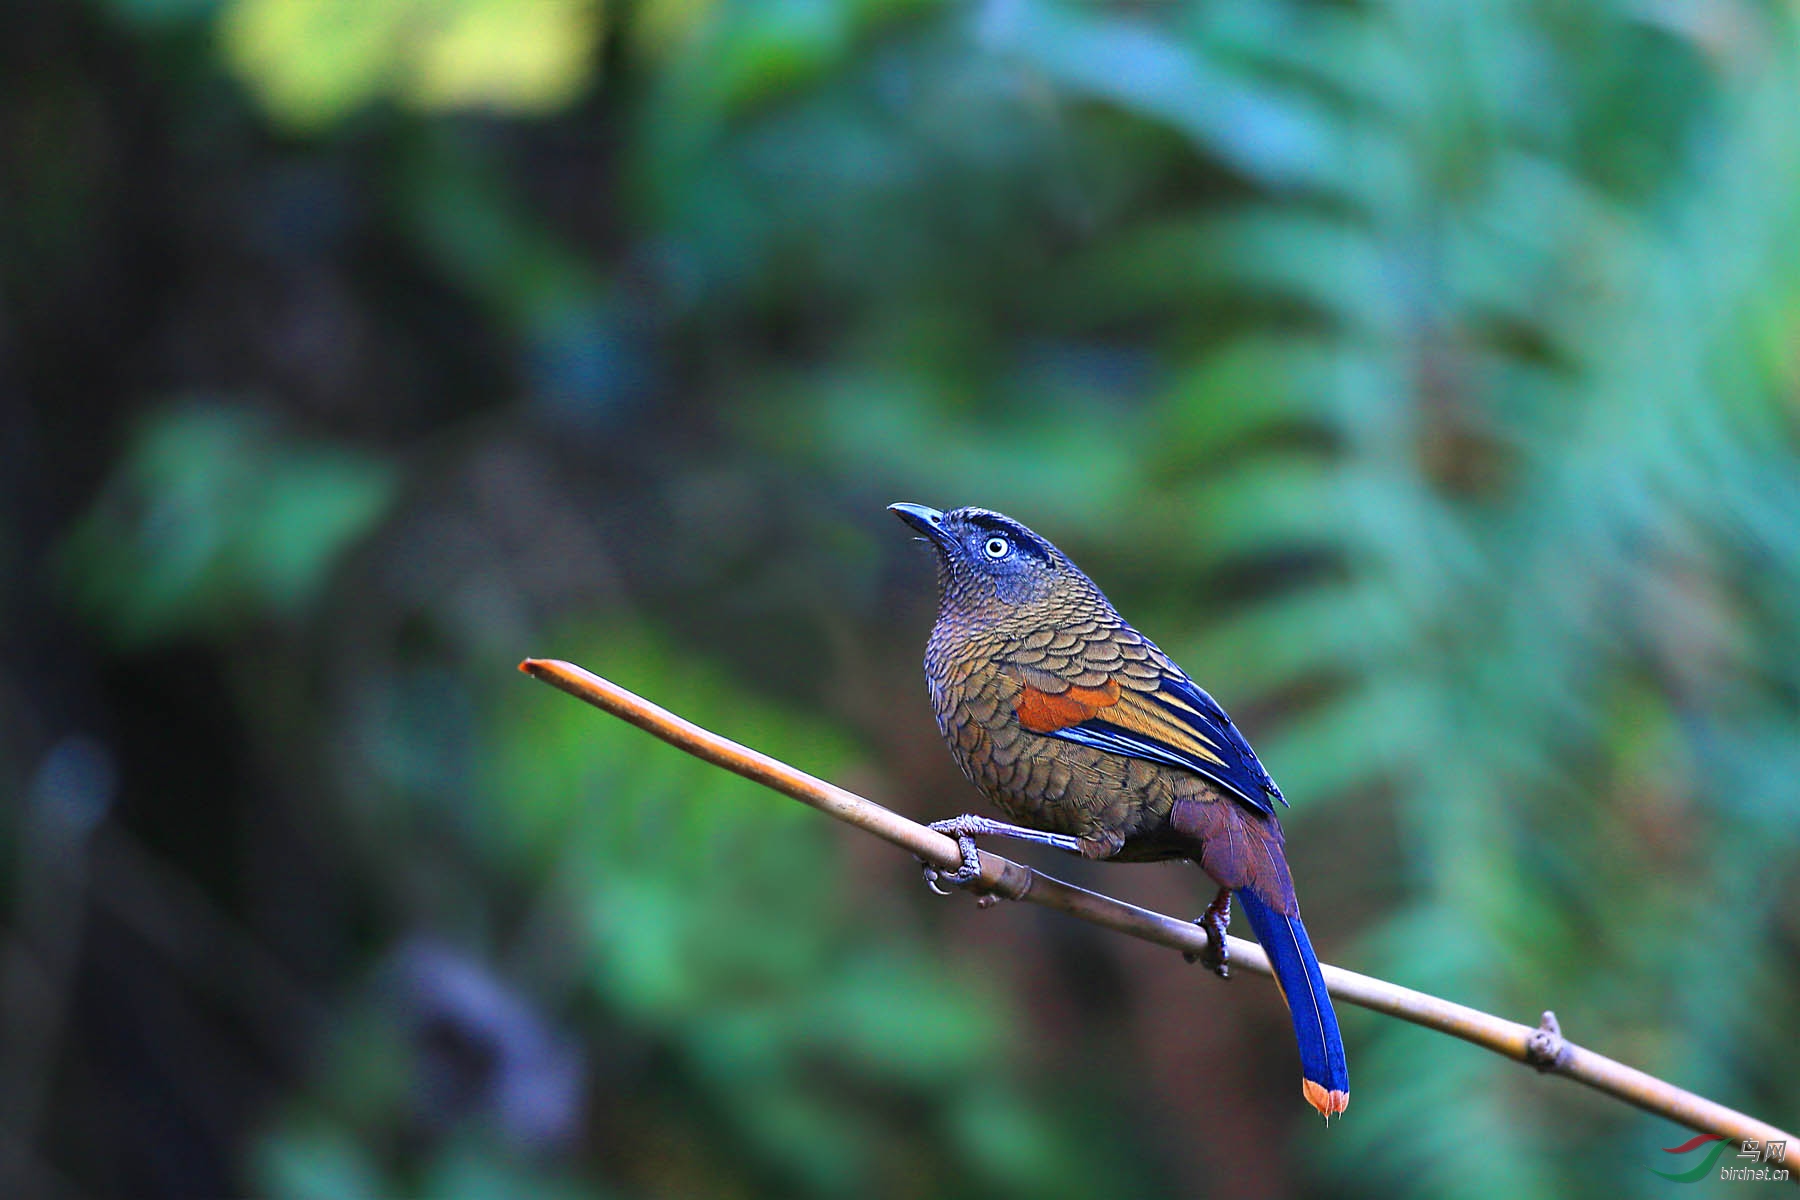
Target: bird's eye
[(997, 547)]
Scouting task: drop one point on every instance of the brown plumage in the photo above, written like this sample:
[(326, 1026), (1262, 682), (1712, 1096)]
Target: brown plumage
[(1074, 723)]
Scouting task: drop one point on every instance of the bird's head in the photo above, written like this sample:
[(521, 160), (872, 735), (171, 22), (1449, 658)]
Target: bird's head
[(989, 563)]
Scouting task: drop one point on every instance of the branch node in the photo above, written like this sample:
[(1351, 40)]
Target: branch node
[(1014, 882), (1545, 1048)]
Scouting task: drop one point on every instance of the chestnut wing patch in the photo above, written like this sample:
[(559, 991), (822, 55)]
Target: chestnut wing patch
[(1177, 724), (1047, 712)]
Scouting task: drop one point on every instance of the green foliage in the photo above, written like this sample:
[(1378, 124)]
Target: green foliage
[(1421, 375), (213, 518), (1510, 425)]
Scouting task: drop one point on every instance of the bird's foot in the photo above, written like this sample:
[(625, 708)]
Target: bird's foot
[(1215, 920), (963, 829), (966, 828)]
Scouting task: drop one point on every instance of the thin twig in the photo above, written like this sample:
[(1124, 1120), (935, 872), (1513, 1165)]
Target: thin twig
[(1542, 1047)]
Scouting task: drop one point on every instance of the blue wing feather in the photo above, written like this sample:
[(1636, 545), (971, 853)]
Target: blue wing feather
[(1252, 776)]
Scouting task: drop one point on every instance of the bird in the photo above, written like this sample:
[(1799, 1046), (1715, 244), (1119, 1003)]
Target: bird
[(1083, 732)]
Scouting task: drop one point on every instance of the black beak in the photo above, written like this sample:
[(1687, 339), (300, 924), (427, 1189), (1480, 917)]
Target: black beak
[(928, 521)]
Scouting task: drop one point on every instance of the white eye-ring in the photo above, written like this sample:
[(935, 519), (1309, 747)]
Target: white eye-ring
[(997, 547)]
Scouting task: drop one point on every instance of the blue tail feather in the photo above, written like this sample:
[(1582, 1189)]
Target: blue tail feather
[(1303, 987)]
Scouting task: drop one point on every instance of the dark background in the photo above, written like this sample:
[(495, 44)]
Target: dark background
[(1424, 377)]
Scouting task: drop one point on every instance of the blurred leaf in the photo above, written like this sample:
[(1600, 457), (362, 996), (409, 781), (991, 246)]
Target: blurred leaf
[(316, 1164), (212, 518), (313, 62)]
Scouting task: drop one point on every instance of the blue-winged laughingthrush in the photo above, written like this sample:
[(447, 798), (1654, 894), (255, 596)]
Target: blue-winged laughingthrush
[(1078, 726)]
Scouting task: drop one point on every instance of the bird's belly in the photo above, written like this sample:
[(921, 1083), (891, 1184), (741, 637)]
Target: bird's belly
[(1052, 784)]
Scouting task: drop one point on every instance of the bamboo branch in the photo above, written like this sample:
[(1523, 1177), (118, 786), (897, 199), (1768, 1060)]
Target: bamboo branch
[(1542, 1047)]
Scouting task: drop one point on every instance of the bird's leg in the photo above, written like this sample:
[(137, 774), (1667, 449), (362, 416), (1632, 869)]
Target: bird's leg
[(966, 828), (1215, 920), (970, 825)]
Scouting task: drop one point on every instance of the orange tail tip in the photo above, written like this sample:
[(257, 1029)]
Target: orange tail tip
[(1328, 1103)]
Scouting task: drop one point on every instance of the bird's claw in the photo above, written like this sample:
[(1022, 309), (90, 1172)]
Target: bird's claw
[(1215, 920), (1215, 958), (963, 829), (970, 870)]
